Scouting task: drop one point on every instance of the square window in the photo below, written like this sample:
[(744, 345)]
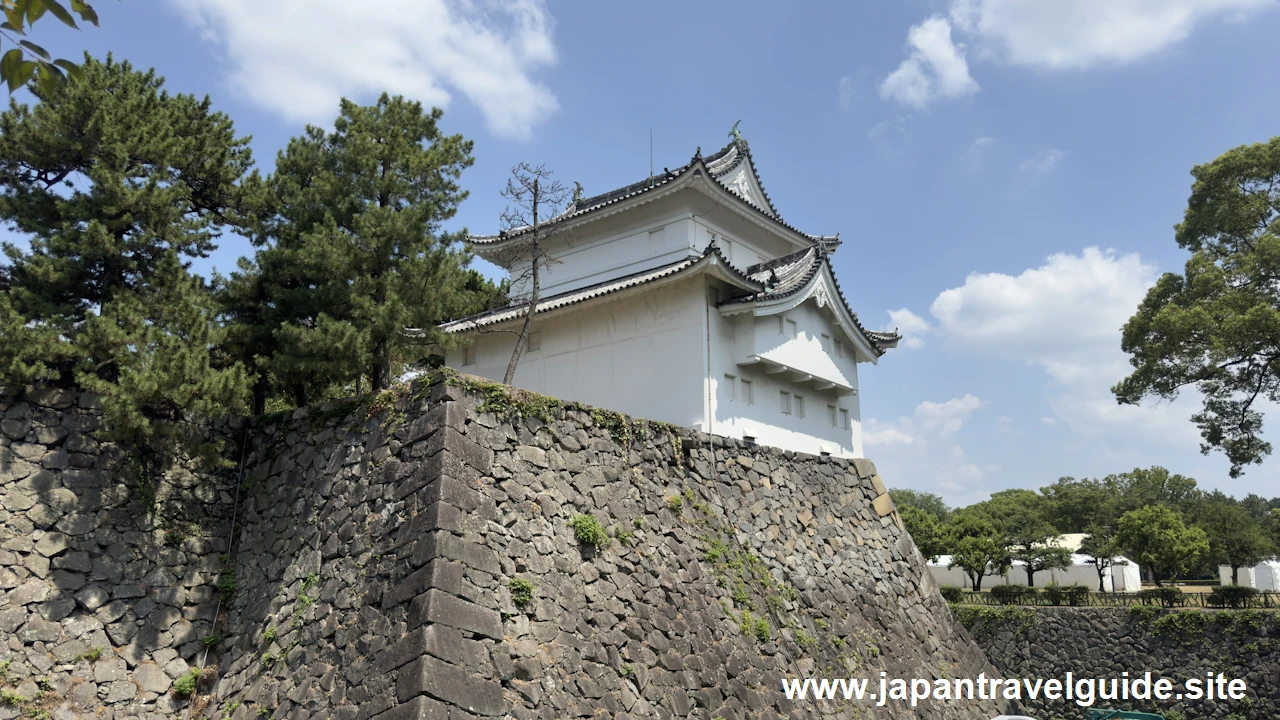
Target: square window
[(831, 414), (844, 418), (748, 392), (730, 387), (839, 349), (793, 329), (469, 355), (786, 402), (535, 341), (826, 342), (798, 405)]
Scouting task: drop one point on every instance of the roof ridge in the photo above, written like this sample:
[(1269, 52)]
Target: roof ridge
[(587, 205)]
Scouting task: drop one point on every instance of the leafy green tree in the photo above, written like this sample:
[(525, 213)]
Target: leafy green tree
[(925, 501), (1019, 516), (1157, 539), (1259, 507), (1141, 488), (1073, 505), (1042, 557), (27, 61), (1216, 327), (926, 531), (117, 184), (353, 250), (977, 547), (1235, 538), (1100, 547)]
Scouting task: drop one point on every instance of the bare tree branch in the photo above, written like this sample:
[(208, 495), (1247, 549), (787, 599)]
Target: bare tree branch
[(535, 198)]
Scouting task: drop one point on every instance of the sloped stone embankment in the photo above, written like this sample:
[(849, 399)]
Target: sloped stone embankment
[(455, 552)]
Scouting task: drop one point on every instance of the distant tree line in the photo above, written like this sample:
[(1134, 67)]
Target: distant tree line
[(118, 185), (1160, 520)]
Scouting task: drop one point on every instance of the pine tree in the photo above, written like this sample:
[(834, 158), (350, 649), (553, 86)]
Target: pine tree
[(354, 252), (118, 184)]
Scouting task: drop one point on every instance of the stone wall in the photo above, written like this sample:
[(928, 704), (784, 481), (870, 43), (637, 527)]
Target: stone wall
[(102, 605), (414, 558), (1106, 642)]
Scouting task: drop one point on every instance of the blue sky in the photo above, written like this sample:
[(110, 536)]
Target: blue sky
[(1005, 173)]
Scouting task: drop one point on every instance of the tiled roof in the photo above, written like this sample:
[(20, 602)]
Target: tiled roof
[(573, 297), (785, 276), (717, 165)]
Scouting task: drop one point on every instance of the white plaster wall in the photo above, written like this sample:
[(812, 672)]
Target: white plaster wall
[(746, 243), (762, 418), (583, 260), (642, 354), (804, 350)]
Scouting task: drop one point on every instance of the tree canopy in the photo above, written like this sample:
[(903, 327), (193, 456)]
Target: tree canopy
[(353, 252), (118, 184), (924, 501), (1236, 540), (1156, 538), (978, 548), (1216, 326)]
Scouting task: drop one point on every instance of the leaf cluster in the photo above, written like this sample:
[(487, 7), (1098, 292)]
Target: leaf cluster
[(27, 61), (1216, 326)]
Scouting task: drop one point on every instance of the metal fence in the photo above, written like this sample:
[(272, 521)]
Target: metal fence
[(1261, 601)]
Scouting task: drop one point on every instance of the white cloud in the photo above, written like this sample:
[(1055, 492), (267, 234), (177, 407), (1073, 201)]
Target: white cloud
[(1069, 310), (936, 67), (298, 57), (1065, 317), (977, 152), (1084, 33), (1043, 161), (931, 421), (921, 451), (886, 128), (847, 92), (945, 419), (912, 327), (1057, 35)]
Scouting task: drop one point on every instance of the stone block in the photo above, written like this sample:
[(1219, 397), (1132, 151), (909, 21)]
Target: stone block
[(151, 678), (878, 484), (427, 471), (447, 414), (883, 505), (439, 641), (452, 490), (864, 467), (440, 516), (434, 606), (464, 448), (29, 592), (54, 398), (441, 544), (430, 676), (38, 629), (419, 708), (439, 573)]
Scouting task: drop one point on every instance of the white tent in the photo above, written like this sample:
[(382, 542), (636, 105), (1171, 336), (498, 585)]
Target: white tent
[(1264, 576), (1122, 576)]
